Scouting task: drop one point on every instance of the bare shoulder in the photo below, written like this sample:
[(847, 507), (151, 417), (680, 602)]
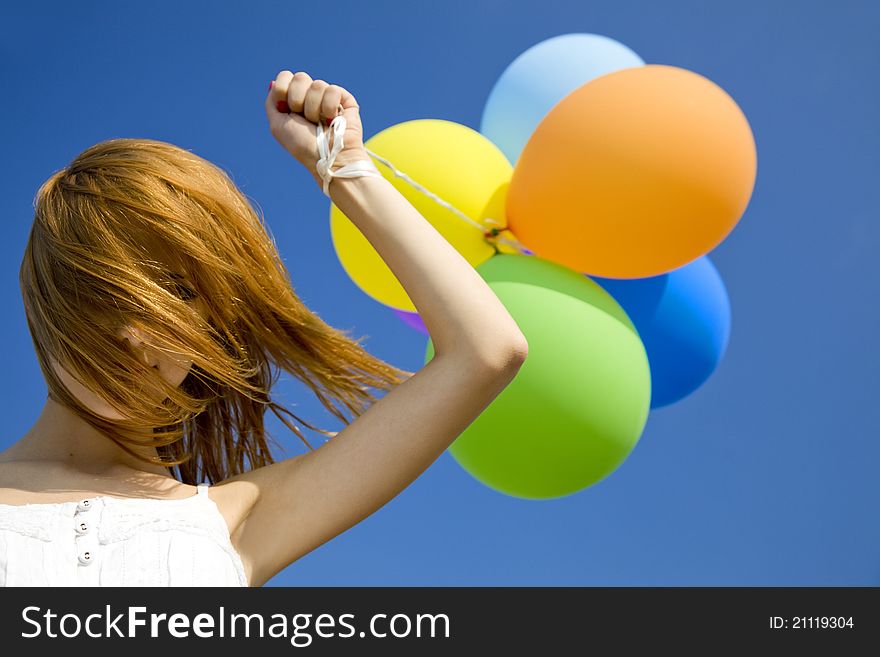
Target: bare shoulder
[(24, 481), (234, 497), (20, 483)]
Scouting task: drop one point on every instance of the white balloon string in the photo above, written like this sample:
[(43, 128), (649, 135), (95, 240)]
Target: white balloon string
[(490, 228), (490, 233), (327, 156)]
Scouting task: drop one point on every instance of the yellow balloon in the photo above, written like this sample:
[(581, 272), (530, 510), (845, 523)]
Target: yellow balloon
[(456, 163)]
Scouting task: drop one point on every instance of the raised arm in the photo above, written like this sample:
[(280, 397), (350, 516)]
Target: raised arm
[(296, 505)]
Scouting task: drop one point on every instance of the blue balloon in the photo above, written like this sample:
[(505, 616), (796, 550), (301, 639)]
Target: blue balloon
[(683, 318), (542, 76)]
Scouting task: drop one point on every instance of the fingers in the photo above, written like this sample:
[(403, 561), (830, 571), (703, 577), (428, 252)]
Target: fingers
[(296, 92), (278, 92), (331, 102), (347, 101), (312, 102), (314, 99)]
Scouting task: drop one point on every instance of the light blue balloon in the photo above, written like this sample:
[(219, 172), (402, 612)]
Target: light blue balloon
[(542, 76), (683, 318)]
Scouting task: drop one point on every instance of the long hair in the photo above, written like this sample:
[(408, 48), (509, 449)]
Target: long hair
[(128, 234)]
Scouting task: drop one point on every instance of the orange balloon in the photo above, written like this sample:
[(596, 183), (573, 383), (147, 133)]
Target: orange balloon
[(634, 174)]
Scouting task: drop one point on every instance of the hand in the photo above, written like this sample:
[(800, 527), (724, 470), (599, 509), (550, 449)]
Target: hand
[(294, 106)]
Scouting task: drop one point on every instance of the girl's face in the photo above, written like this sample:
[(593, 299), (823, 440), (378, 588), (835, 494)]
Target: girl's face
[(173, 368)]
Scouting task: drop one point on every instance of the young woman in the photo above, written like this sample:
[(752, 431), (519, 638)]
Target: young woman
[(161, 313)]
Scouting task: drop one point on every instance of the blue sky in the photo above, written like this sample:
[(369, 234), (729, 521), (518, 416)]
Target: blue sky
[(767, 475)]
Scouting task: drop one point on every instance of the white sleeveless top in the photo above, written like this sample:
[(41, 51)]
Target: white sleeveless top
[(114, 541)]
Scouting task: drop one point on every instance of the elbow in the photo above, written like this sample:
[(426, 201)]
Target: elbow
[(502, 357), (519, 352), (511, 358)]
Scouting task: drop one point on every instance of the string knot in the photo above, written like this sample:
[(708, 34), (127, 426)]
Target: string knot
[(327, 155)]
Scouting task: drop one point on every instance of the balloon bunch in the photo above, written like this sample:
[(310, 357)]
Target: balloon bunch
[(587, 201)]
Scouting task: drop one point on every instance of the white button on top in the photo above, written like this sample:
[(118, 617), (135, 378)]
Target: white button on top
[(84, 505), (85, 557), (82, 528)]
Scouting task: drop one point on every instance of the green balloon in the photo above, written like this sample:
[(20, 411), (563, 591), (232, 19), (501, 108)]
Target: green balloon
[(578, 404)]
